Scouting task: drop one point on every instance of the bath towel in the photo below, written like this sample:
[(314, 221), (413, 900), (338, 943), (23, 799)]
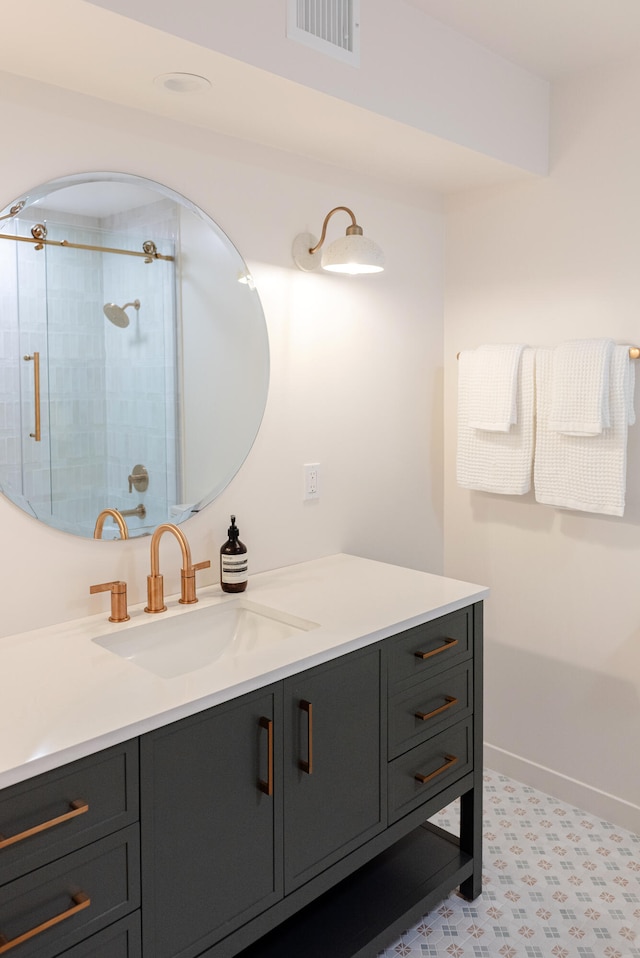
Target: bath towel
[(584, 472), (493, 386), (496, 461), (580, 387)]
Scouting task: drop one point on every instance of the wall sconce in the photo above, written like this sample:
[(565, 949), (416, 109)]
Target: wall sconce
[(353, 253)]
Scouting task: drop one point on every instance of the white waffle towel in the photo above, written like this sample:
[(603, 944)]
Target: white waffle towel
[(496, 461), (493, 387), (580, 387), (584, 472)]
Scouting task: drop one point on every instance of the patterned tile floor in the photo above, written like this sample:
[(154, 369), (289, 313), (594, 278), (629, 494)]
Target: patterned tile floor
[(557, 883)]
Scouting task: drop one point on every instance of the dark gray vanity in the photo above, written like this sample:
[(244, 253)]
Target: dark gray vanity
[(290, 820)]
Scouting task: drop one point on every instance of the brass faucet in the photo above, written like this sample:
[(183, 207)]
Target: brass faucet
[(155, 584), (122, 525)]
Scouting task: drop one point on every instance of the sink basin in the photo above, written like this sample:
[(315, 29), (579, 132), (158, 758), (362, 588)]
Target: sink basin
[(173, 646)]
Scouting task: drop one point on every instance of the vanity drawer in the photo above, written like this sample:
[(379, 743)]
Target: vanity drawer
[(122, 940), (422, 772), (430, 647), (56, 907), (422, 710), (60, 811)]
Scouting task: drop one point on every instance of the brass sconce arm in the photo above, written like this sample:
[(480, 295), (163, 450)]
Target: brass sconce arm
[(353, 230)]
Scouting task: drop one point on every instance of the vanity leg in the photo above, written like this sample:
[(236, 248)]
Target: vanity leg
[(471, 839), (471, 801)]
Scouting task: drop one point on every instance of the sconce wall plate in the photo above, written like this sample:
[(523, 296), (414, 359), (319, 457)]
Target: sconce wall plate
[(301, 255)]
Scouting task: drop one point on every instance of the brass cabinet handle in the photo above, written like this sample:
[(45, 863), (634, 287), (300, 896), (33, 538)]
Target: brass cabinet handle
[(267, 787), (36, 390), (450, 701), (448, 644), (80, 902), (78, 807), (449, 760), (308, 765)]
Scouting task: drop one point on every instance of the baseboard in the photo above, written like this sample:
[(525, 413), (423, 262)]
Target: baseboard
[(579, 794)]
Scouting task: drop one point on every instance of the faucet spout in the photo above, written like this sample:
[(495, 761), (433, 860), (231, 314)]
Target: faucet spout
[(115, 515), (155, 546), (155, 582)]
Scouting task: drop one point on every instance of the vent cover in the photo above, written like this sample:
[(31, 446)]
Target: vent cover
[(329, 26)]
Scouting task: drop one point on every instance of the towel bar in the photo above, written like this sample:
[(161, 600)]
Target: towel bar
[(634, 353)]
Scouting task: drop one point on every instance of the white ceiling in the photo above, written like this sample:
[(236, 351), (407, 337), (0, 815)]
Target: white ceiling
[(548, 37)]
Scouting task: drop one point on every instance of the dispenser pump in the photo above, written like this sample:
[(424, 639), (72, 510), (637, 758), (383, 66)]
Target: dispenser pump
[(233, 561)]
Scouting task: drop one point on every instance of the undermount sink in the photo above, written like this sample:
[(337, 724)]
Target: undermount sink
[(183, 643)]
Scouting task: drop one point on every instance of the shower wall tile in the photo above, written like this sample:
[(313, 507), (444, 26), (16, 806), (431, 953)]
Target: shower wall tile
[(138, 404)]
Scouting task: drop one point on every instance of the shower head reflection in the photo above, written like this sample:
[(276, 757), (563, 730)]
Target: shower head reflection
[(117, 315)]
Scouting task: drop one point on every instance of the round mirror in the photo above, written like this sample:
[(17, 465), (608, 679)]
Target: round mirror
[(135, 359)]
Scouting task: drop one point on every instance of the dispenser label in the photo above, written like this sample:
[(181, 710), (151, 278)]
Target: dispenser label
[(234, 568)]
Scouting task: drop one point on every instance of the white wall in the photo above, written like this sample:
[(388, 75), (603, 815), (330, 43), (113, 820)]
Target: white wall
[(355, 363), (541, 263)]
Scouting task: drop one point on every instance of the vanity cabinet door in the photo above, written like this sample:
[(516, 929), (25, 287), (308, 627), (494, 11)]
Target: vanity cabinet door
[(209, 826), (332, 793)]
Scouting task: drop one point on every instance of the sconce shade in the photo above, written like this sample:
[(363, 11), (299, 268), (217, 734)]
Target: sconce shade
[(352, 254)]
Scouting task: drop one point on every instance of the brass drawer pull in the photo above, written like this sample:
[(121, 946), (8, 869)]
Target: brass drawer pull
[(448, 644), (78, 807), (80, 902), (267, 787), (308, 765), (450, 701), (449, 760)]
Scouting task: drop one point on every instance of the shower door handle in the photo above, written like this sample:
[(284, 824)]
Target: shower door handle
[(36, 390)]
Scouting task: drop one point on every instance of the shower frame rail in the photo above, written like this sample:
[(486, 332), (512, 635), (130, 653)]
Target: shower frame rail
[(39, 242)]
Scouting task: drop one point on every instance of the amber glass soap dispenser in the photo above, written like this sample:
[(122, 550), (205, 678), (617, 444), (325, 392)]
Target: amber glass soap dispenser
[(233, 561)]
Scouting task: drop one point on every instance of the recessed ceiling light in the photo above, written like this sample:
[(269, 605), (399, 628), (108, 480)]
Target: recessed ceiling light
[(182, 82)]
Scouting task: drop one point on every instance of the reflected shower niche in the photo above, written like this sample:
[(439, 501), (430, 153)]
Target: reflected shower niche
[(125, 326)]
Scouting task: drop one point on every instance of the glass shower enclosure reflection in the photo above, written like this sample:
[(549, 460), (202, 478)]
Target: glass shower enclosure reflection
[(101, 327)]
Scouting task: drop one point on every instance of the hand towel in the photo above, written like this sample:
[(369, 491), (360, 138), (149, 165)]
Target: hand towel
[(493, 387), (631, 388), (496, 461), (584, 472), (580, 387)]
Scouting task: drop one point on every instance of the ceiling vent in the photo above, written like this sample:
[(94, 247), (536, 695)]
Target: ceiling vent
[(331, 27)]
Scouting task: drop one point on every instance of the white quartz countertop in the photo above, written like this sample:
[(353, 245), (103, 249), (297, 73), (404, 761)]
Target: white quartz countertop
[(64, 696)]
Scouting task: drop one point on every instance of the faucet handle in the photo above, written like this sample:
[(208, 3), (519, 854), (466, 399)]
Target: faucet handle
[(188, 581), (118, 591)]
